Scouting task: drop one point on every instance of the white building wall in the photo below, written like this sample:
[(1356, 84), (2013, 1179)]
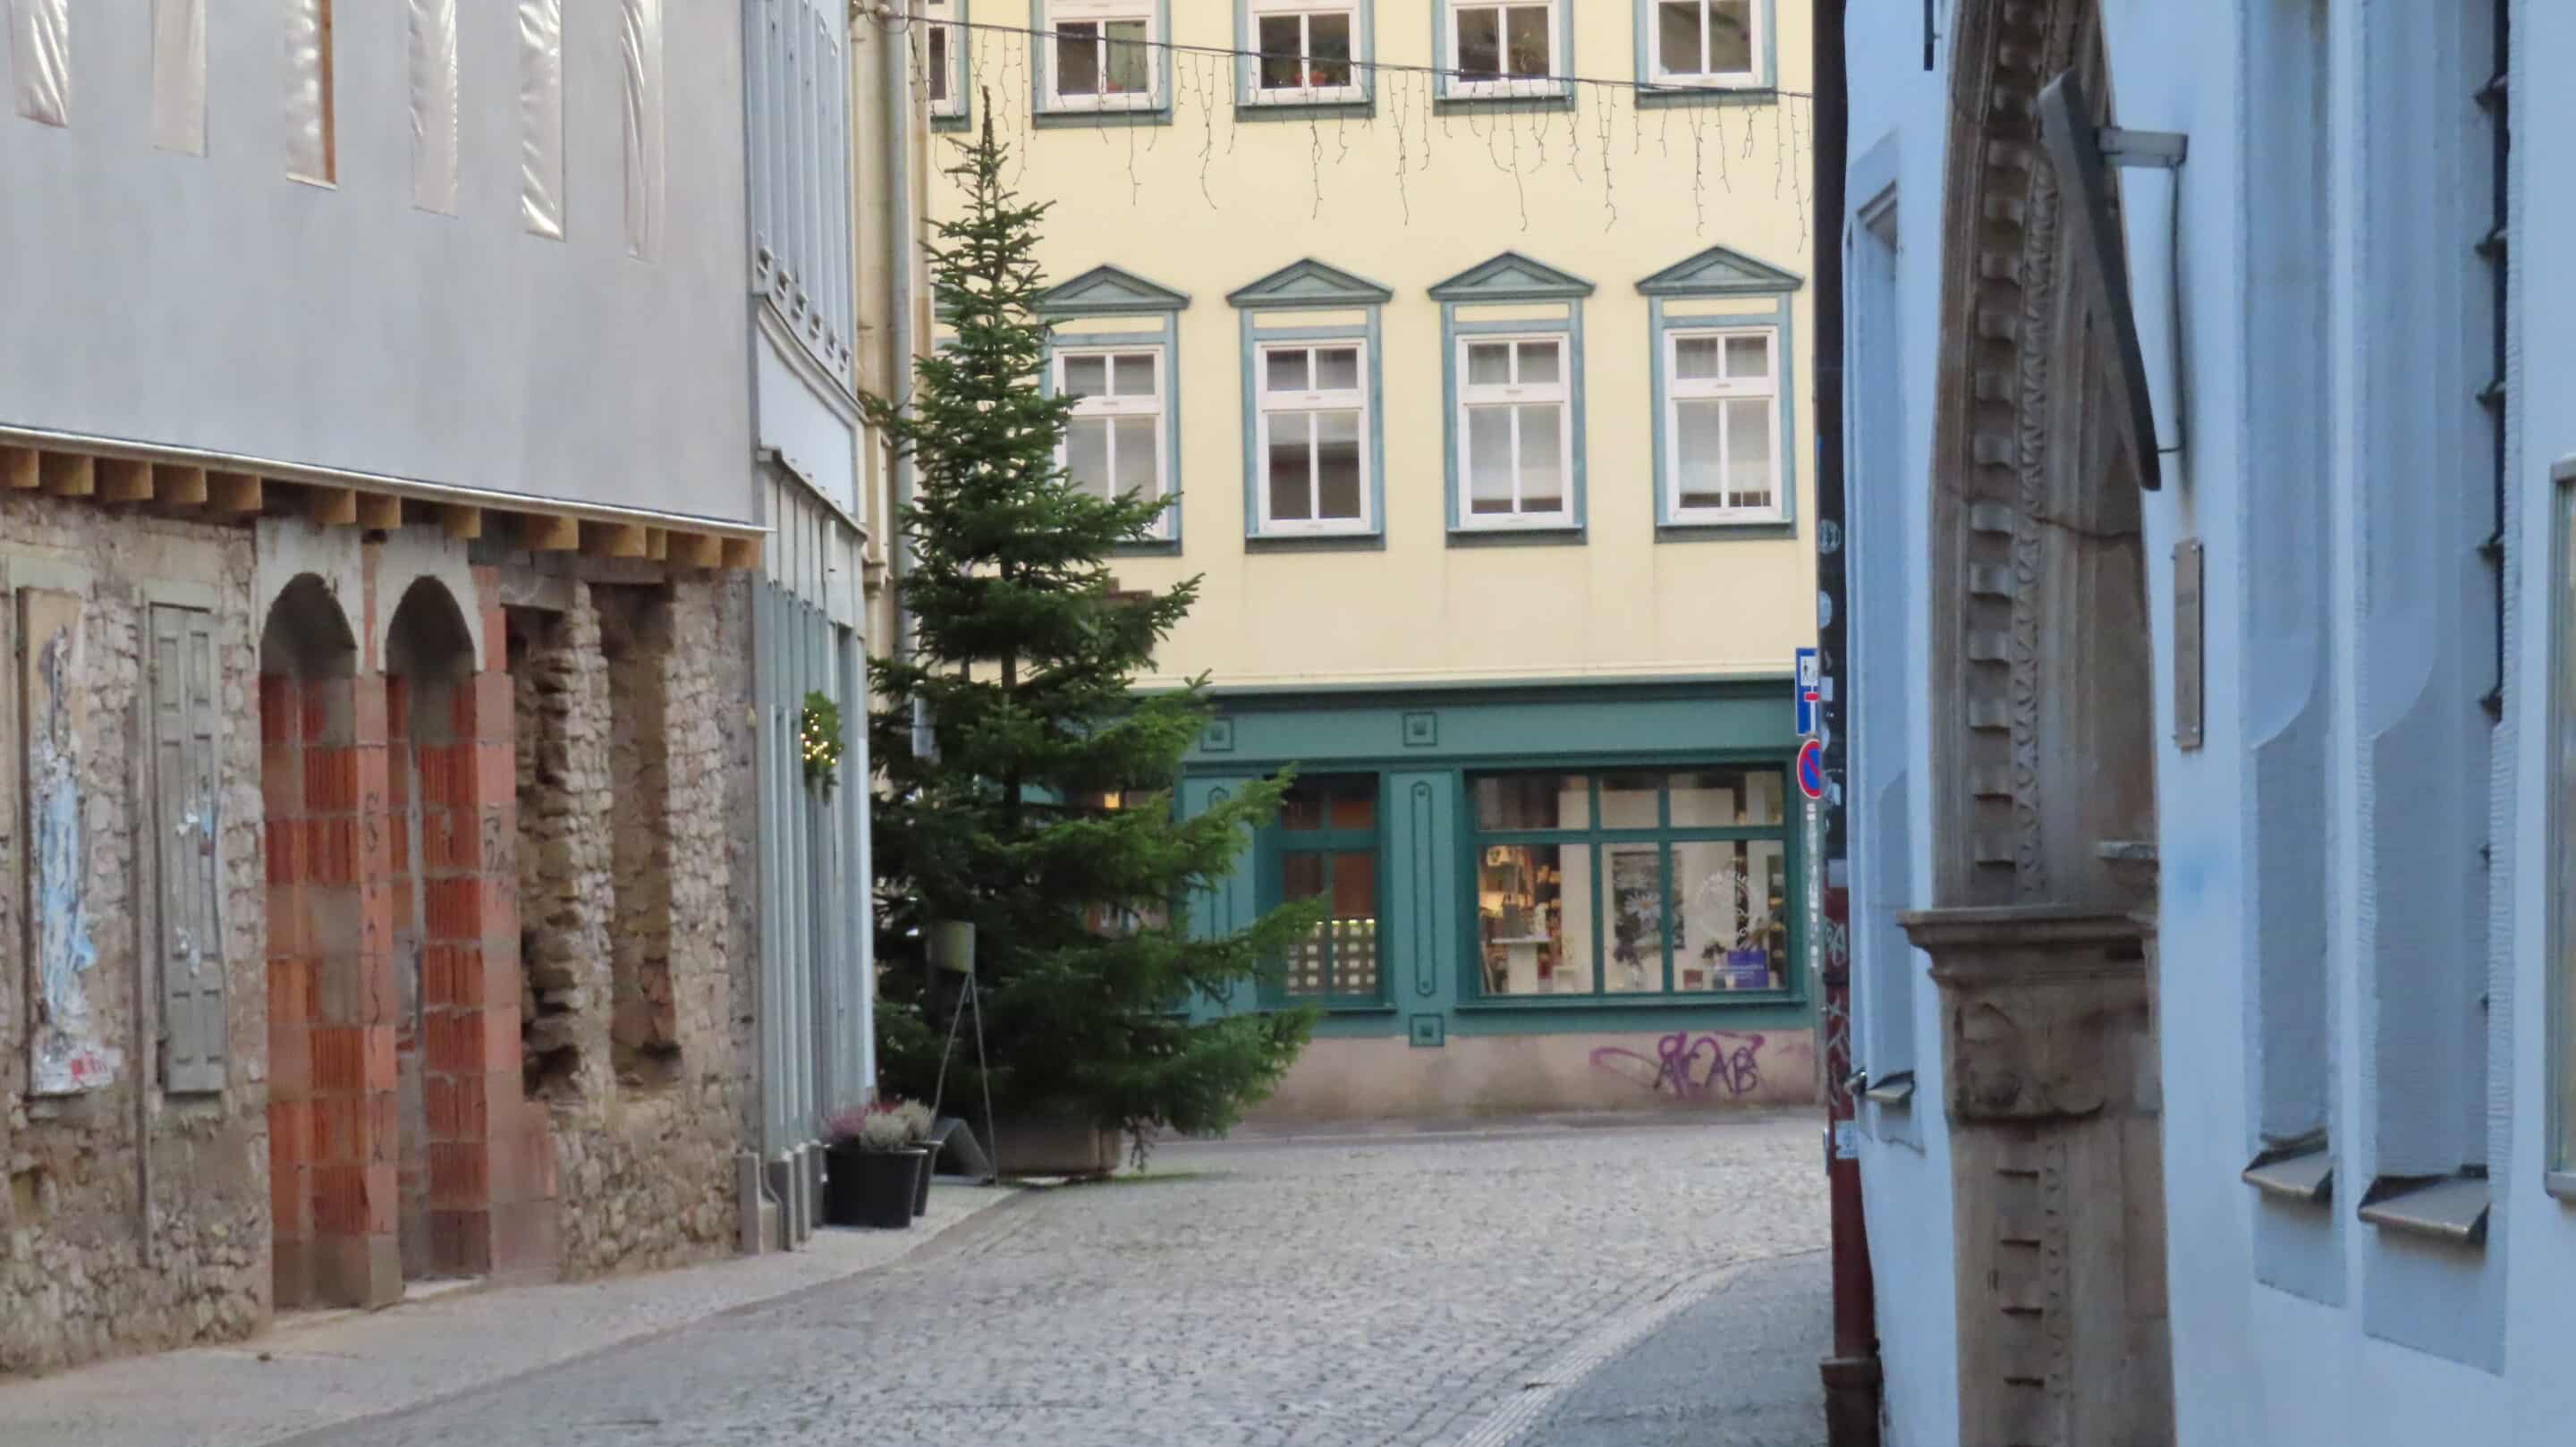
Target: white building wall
[(2290, 1323), (1899, 139)]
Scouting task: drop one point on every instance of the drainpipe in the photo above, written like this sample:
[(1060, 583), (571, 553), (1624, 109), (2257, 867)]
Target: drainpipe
[(1851, 1374)]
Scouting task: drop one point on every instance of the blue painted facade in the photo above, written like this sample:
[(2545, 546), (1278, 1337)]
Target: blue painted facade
[(2361, 968)]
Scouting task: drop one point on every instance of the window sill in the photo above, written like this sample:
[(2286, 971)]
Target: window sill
[(1666, 94), (2301, 1173), (1151, 548), (1542, 101), (2561, 1184), (1744, 532), (1545, 1004), (1105, 116), (952, 123), (1896, 1090), (1553, 536), (1363, 108), (1328, 1008), (1316, 543), (2450, 1209)]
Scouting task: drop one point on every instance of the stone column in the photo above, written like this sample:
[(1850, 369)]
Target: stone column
[(2057, 1174)]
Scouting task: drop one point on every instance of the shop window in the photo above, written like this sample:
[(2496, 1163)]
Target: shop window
[(1649, 883), (1325, 846), (1101, 55), (1114, 444), (1721, 425), (1311, 451), (1704, 42), (1515, 432), (1503, 51), (1308, 52)]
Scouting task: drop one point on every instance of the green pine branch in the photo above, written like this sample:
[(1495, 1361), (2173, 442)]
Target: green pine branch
[(1026, 663)]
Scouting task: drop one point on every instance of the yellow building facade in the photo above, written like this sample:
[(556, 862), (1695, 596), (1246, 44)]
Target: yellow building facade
[(1469, 342)]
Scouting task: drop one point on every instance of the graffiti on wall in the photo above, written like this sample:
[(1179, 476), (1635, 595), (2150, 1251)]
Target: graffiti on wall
[(70, 1054), (1711, 1065)]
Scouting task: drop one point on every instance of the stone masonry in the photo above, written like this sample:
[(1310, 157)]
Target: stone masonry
[(131, 1217), (626, 891)]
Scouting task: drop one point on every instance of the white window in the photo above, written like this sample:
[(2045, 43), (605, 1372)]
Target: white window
[(1515, 431), (1706, 42), (1312, 444), (1113, 445), (945, 65), (1101, 56), (1722, 425), (1308, 50), (1502, 50)]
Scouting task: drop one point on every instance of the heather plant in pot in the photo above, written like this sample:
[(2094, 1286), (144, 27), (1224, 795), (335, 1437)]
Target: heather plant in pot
[(875, 1166)]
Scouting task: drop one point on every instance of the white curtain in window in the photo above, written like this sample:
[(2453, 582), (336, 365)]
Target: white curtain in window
[(639, 48), (40, 40), (433, 105), (541, 121), (179, 76)]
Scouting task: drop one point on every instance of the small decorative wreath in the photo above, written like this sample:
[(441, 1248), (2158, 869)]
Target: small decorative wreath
[(819, 733)]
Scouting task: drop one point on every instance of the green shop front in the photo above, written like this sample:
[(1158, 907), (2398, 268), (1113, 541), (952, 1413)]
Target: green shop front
[(1542, 898)]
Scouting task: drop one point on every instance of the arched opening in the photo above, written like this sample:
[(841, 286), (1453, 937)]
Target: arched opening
[(330, 1183), (436, 858), (2043, 775)]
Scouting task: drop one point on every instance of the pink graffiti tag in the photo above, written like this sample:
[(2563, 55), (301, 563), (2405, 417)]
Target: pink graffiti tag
[(1692, 1068)]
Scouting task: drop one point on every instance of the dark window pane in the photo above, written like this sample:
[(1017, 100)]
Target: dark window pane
[(1728, 798), (1534, 918), (1290, 469), (1731, 910), (1677, 36), (1337, 465), (940, 80), (1534, 801), (1529, 43), (1628, 801), (1280, 67), (1130, 63), (1077, 58), (1355, 805), (1636, 907), (1301, 876), (1480, 44), (1329, 44), (1302, 808), (1352, 931), (1730, 37)]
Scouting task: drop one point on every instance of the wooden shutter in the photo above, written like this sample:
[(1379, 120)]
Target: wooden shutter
[(185, 685)]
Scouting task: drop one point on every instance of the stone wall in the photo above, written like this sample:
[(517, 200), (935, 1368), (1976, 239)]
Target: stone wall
[(632, 740), (104, 1247)]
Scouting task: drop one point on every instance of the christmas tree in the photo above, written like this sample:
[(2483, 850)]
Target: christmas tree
[(1044, 813)]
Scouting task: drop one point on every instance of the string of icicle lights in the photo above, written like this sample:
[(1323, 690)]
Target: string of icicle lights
[(1570, 120)]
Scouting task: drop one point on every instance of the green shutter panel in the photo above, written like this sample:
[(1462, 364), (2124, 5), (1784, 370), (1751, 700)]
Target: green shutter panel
[(187, 822)]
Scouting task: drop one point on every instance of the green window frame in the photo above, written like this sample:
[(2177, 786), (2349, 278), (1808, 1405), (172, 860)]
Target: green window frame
[(1329, 839), (1696, 909)]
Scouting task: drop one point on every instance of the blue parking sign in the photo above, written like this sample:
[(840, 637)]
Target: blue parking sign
[(1809, 691)]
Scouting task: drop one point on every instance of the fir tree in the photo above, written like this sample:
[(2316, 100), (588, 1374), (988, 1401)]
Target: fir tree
[(1023, 657)]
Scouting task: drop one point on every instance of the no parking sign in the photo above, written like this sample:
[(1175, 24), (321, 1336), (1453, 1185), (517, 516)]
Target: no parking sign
[(1811, 769)]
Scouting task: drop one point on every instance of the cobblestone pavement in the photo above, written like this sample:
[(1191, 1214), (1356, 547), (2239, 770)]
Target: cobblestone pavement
[(1390, 1290), (1737, 1368)]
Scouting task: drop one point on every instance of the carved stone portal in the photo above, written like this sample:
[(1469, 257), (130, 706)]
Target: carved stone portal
[(2044, 745)]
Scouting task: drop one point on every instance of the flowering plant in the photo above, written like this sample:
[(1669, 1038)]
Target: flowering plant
[(884, 1125)]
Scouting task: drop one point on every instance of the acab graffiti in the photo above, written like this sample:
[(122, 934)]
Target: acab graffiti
[(1712, 1065)]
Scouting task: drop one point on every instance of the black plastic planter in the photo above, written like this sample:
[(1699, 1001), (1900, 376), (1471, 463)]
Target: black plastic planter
[(921, 1190), (872, 1188)]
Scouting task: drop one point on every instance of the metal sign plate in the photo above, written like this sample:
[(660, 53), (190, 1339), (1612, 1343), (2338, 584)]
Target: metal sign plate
[(2188, 676)]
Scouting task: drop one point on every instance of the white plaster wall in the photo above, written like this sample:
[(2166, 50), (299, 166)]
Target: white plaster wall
[(1898, 105)]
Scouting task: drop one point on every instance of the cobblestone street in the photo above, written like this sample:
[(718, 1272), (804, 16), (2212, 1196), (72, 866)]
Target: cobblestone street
[(1367, 1289)]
